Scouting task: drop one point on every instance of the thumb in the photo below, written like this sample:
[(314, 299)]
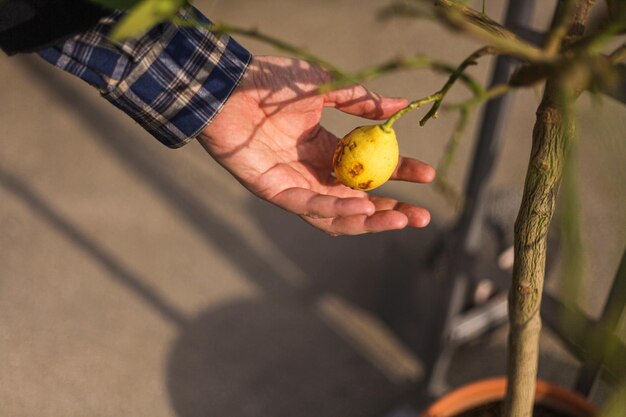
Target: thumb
[(359, 101)]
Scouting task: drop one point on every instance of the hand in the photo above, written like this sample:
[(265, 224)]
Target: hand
[(269, 137)]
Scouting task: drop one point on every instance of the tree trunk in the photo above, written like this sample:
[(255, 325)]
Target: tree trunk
[(554, 127), (550, 137)]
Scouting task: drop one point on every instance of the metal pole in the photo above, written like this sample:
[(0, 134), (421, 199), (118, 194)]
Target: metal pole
[(456, 260)]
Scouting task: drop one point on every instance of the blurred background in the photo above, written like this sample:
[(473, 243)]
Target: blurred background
[(141, 281)]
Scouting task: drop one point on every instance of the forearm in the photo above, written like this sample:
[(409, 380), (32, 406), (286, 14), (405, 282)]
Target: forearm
[(172, 81)]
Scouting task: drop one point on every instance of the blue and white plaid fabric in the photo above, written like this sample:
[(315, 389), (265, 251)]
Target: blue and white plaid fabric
[(173, 80)]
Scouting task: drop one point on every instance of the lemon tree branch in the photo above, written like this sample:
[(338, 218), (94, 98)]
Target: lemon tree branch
[(342, 78), (470, 60), (412, 62), (493, 92), (442, 183), (277, 43), (619, 54), (416, 104), (480, 94), (461, 17), (556, 35)]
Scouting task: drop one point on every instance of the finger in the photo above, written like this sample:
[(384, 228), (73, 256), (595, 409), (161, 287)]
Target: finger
[(380, 221), (412, 170), (417, 216), (308, 203), (359, 101)]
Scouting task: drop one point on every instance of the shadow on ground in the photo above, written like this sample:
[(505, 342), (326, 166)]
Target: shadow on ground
[(268, 356), (273, 355)]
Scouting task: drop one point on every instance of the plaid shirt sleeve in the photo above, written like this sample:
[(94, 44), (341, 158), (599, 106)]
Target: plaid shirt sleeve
[(172, 81)]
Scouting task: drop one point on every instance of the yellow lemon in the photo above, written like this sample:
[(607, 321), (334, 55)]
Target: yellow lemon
[(366, 157)]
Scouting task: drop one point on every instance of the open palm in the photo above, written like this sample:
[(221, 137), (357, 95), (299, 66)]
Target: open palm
[(268, 135)]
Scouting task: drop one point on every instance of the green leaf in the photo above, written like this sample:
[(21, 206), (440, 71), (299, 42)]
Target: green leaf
[(144, 16), (116, 4)]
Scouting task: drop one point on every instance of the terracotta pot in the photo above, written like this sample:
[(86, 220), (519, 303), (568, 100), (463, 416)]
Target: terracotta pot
[(490, 390)]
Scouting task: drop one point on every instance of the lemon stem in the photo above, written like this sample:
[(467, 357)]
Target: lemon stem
[(438, 97), (411, 106)]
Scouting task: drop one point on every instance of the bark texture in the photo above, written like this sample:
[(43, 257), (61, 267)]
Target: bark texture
[(552, 131), (550, 137)]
